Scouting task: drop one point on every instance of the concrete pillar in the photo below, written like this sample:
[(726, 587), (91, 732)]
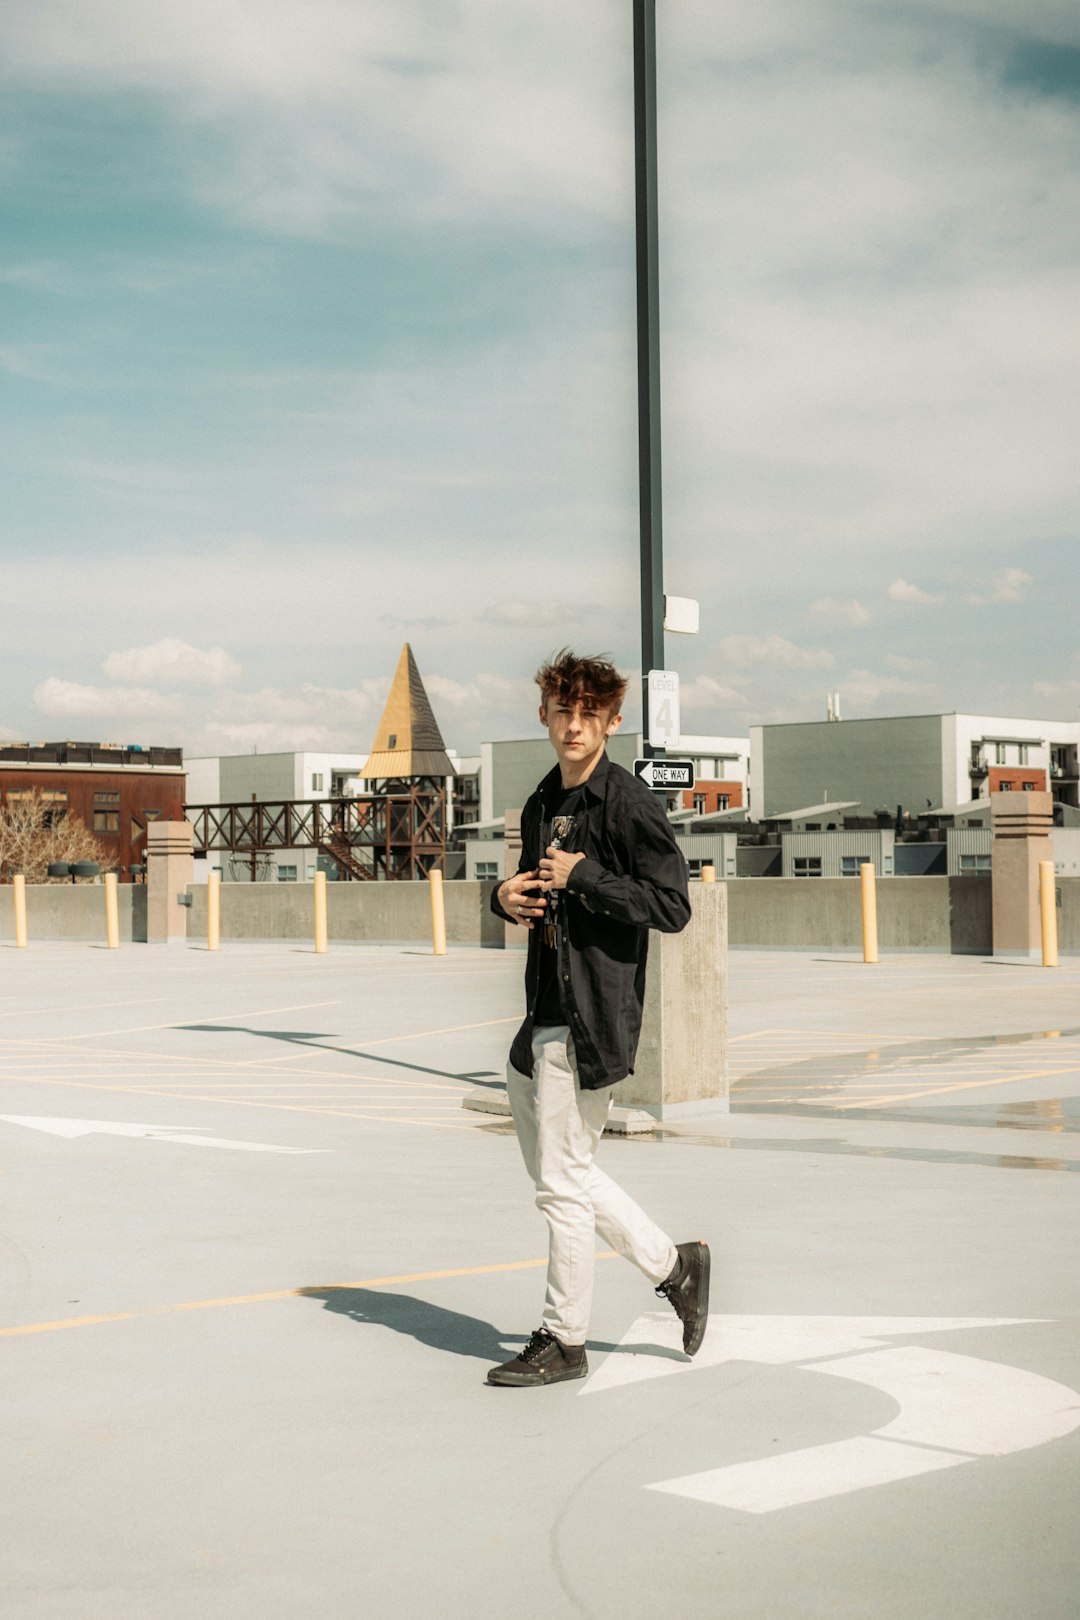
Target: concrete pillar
[(681, 1066), (515, 937), (170, 870), (1021, 824)]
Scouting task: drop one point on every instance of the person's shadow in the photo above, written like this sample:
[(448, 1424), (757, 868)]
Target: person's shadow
[(445, 1330)]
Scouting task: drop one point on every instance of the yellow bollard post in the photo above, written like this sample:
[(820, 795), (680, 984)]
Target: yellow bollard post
[(320, 912), (19, 897), (708, 872), (213, 910), (1048, 913), (438, 912), (869, 912), (112, 913)]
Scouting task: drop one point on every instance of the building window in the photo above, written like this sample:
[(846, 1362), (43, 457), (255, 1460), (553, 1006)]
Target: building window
[(54, 807), (807, 865), (286, 874), (699, 803), (317, 782), (106, 812), (1028, 787), (723, 801), (999, 753), (849, 864), (1005, 787), (975, 863), (1024, 752), (486, 870)]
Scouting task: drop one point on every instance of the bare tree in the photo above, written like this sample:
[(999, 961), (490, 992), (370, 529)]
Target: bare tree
[(33, 835)]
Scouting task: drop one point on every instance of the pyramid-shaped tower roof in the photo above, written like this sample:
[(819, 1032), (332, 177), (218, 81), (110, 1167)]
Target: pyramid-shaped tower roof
[(408, 741)]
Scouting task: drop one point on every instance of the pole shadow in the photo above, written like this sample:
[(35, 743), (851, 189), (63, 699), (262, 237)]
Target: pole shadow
[(314, 1041)]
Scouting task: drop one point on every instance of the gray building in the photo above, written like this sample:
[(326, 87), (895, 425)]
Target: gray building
[(918, 761), (837, 854)]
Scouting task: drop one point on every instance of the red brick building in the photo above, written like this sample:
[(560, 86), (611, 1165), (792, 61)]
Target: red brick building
[(117, 791), (707, 797), (1014, 779)]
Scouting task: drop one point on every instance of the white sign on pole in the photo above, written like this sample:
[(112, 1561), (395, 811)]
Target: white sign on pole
[(681, 615), (663, 727)]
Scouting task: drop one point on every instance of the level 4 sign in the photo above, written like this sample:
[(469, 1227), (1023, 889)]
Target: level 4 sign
[(662, 727), (665, 773)]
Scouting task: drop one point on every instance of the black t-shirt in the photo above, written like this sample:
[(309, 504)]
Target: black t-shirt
[(549, 1008)]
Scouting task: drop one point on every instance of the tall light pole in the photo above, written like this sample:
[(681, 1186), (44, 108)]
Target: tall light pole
[(648, 352)]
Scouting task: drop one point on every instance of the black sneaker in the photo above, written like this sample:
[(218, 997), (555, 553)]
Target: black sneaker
[(544, 1360), (687, 1290)]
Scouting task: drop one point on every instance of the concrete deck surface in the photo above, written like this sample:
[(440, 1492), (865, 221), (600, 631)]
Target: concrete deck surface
[(240, 1382)]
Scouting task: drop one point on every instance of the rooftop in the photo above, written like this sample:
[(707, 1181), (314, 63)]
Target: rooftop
[(112, 755), (273, 1257)]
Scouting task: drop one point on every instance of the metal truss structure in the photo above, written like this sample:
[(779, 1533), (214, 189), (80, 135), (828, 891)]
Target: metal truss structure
[(394, 835)]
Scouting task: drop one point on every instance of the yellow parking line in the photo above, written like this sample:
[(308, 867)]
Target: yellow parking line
[(278, 1293), (942, 1091), (140, 1059), (246, 1102)]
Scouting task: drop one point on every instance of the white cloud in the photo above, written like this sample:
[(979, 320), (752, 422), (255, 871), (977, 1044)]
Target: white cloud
[(843, 611), (68, 700), (902, 591), (171, 660), (705, 696), (487, 699), (744, 651), (864, 689), (875, 366), (1011, 586), (320, 109)]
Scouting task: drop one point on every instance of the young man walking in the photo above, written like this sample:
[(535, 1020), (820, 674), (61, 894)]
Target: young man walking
[(599, 867)]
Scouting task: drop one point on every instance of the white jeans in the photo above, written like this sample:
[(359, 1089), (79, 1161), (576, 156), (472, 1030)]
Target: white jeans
[(559, 1127)]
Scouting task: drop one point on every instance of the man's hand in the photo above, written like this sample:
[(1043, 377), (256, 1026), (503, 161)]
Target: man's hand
[(556, 866), (525, 909)]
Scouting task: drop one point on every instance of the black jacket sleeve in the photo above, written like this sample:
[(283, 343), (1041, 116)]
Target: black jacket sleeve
[(653, 893)]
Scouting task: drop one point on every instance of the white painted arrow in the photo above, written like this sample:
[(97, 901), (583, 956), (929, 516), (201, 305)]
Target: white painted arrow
[(953, 1409), (151, 1133)]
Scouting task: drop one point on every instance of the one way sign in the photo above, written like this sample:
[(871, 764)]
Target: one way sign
[(665, 773)]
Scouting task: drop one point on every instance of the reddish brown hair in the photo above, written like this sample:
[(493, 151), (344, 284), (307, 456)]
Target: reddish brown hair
[(593, 682)]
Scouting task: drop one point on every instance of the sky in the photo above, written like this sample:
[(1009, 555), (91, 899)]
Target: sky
[(317, 336)]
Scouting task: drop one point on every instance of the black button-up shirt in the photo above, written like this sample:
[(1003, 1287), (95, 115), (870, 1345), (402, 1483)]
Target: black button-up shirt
[(633, 878)]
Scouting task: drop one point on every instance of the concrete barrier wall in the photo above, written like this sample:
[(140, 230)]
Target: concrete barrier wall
[(914, 913), (1069, 917), (74, 911), (355, 911)]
